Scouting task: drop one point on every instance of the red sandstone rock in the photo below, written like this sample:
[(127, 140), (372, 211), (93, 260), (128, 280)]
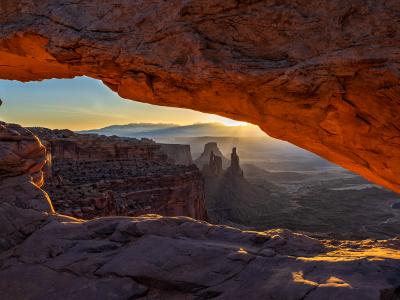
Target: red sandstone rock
[(323, 75), (92, 176), (20, 153)]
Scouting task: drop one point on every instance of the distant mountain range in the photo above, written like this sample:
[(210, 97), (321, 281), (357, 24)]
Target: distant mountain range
[(154, 130)]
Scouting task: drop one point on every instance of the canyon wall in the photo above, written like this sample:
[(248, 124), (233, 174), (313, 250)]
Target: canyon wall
[(44, 255), (90, 176), (66, 145), (323, 74), (178, 154)]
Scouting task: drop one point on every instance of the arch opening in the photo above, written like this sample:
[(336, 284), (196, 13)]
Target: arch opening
[(280, 185), (351, 121)]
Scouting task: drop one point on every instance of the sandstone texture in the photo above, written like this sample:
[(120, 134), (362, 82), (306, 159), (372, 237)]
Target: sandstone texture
[(44, 255), (88, 176), (322, 74)]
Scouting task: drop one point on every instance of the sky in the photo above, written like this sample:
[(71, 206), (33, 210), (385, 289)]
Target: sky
[(85, 103)]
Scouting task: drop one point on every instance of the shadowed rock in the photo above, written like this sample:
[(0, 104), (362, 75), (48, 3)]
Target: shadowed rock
[(234, 169), (210, 150)]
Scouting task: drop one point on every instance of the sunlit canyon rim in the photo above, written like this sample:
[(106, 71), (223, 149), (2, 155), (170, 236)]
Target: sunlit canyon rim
[(323, 75)]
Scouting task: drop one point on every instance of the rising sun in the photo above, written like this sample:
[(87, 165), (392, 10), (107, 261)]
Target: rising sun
[(225, 121)]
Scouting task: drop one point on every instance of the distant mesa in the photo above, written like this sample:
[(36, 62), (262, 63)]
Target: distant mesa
[(177, 153), (204, 158), (212, 162)]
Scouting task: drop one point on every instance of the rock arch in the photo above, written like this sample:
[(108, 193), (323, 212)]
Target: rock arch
[(323, 75)]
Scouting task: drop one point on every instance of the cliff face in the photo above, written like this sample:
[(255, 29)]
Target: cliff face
[(91, 176), (23, 205), (323, 74), (67, 145), (178, 154), (44, 255)]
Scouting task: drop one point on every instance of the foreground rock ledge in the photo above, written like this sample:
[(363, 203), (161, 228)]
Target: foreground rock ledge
[(323, 75), (44, 255)]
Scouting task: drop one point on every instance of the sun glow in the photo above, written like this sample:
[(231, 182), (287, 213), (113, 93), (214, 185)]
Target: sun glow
[(224, 121), (233, 123), (85, 103)]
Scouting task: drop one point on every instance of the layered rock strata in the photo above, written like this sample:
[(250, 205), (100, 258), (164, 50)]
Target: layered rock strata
[(44, 255), (91, 176), (323, 75)]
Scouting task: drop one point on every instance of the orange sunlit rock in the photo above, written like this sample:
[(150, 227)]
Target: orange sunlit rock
[(323, 75)]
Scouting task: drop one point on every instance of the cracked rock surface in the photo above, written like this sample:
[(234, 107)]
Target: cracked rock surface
[(322, 74), (45, 255)]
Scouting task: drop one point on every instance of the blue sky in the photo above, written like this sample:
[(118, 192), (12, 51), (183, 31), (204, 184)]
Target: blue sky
[(84, 103)]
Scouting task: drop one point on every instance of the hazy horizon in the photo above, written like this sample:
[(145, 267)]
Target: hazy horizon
[(84, 103)]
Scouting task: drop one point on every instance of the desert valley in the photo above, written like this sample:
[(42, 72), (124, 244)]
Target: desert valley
[(281, 186)]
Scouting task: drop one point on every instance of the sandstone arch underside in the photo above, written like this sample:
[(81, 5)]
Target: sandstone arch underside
[(323, 75)]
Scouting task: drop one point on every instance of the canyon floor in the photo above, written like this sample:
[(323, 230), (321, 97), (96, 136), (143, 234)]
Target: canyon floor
[(286, 187), (323, 204)]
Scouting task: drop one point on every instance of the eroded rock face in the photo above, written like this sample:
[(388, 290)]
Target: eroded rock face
[(23, 205), (323, 75), (90, 176)]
